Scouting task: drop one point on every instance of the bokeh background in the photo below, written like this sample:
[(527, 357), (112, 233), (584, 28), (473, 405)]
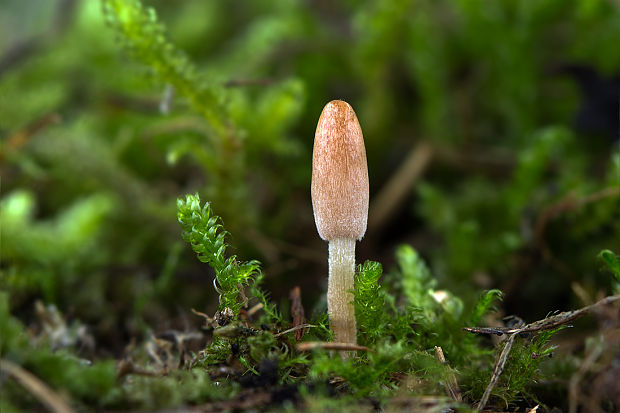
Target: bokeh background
[(491, 130)]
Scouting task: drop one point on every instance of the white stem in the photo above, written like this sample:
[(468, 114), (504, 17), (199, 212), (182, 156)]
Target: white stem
[(340, 289)]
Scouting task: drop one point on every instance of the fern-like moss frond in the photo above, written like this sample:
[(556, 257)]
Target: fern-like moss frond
[(417, 280), (146, 38), (206, 235), (369, 301), (484, 305)]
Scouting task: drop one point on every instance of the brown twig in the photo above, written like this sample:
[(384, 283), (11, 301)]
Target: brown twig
[(586, 366), (452, 385), (126, 367), (36, 387), (400, 184), (18, 139), (313, 345), (297, 312), (255, 309), (540, 325), (546, 323), (209, 321), (497, 371), (295, 329)]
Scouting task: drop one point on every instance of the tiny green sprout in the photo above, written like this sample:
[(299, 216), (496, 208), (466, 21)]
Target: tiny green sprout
[(611, 263)]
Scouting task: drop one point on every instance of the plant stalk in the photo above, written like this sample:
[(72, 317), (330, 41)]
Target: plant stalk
[(340, 290)]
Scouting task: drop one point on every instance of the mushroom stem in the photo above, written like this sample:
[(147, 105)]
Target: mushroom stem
[(340, 289)]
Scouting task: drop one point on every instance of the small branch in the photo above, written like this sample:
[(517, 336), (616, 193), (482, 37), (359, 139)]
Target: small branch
[(18, 139), (36, 387), (394, 192), (548, 323), (313, 345), (452, 385), (209, 321), (586, 366), (126, 367), (255, 309), (497, 371), (296, 329)]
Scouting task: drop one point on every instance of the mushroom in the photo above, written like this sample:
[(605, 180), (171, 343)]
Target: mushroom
[(340, 205)]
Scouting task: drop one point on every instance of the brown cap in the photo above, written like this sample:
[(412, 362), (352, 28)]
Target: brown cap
[(339, 174)]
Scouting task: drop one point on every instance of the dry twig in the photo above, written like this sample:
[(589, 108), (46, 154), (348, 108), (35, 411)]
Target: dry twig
[(313, 345), (452, 386), (396, 189), (255, 309), (548, 323), (18, 139), (497, 371), (296, 329), (586, 366), (209, 321), (36, 387)]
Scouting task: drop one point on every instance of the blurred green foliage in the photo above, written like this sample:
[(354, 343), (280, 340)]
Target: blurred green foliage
[(111, 110)]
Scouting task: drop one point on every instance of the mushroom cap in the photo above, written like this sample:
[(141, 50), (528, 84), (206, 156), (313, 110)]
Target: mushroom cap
[(339, 174)]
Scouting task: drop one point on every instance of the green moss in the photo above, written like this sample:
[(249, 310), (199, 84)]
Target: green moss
[(206, 236)]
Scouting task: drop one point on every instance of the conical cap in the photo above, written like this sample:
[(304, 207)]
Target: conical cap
[(339, 174)]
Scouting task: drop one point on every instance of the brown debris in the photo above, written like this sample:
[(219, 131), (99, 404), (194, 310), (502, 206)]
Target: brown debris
[(248, 400), (297, 312)]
